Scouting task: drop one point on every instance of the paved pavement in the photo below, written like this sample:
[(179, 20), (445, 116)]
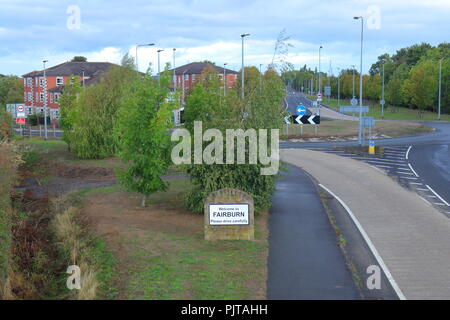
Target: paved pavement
[(412, 237), (305, 261)]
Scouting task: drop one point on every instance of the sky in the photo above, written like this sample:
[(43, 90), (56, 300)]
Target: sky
[(104, 30)]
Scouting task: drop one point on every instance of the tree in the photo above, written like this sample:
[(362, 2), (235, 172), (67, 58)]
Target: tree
[(79, 59), (11, 90), (141, 131), (262, 109), (421, 87), (88, 114)]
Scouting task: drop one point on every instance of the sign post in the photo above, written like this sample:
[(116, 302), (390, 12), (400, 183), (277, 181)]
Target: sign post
[(229, 215)]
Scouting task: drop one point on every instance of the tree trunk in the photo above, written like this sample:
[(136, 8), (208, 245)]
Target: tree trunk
[(144, 199)]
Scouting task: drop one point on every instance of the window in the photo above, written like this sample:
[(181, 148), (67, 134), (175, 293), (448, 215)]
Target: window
[(30, 82), (30, 111), (193, 77), (24, 82), (41, 82), (59, 81), (51, 97), (56, 96), (36, 81), (30, 96), (37, 97), (42, 96)]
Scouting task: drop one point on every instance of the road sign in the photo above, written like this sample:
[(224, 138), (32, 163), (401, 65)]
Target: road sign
[(319, 97), (20, 111), (20, 121), (382, 102), (312, 119), (354, 102), (301, 110), (328, 91), (368, 122), (287, 119), (353, 109)]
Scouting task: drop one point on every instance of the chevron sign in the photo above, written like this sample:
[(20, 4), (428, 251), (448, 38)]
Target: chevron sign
[(312, 119)]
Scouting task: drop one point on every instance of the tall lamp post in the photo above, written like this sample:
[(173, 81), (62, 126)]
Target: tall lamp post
[(320, 80), (141, 45), (440, 89), (224, 79), (159, 66), (339, 87), (174, 72), (353, 87), (243, 71), (45, 101), (360, 80), (382, 96)]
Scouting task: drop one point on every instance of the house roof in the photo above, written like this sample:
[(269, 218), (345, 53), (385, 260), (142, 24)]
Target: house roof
[(91, 69), (198, 67)]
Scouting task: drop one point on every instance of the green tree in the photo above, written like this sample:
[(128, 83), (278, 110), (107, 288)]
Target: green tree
[(421, 87), (141, 131), (11, 90), (79, 59), (88, 114)]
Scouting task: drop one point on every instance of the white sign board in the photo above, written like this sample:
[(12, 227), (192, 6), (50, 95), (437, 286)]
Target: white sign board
[(228, 214)]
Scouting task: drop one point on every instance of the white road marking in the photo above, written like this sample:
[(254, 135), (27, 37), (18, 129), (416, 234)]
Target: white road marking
[(415, 173), (374, 250), (406, 169), (416, 183), (431, 196), (439, 204), (407, 152), (408, 178), (428, 202), (407, 173), (440, 198), (421, 189)]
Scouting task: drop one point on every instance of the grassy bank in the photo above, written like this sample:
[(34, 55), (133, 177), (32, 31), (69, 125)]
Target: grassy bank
[(342, 129), (390, 112)]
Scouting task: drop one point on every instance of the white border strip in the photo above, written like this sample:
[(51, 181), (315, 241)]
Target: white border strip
[(440, 198), (372, 248), (415, 173), (407, 152)]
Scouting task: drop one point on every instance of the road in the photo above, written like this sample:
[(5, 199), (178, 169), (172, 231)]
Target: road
[(410, 237), (299, 230)]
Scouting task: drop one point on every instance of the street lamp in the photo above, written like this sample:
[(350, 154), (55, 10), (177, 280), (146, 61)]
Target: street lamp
[(242, 71), (260, 78), (339, 87), (440, 89), (360, 79), (224, 79), (320, 84), (174, 72), (141, 45), (159, 66), (353, 87), (382, 96), (45, 101)]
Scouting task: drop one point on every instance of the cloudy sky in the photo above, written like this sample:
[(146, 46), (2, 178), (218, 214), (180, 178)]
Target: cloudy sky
[(104, 30)]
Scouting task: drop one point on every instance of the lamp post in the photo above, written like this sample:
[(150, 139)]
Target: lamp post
[(182, 82), (45, 101), (360, 80), (320, 80), (243, 71), (224, 79), (174, 72), (353, 87), (382, 96), (141, 45), (159, 66), (260, 78), (440, 89), (339, 87)]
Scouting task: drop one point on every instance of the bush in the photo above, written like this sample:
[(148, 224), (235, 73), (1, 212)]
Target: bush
[(6, 130)]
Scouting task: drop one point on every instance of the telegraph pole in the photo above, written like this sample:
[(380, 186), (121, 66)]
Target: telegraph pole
[(45, 102), (243, 71), (382, 97), (361, 81)]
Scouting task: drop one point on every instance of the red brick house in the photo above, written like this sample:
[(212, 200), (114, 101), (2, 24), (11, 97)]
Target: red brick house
[(187, 74), (57, 77)]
